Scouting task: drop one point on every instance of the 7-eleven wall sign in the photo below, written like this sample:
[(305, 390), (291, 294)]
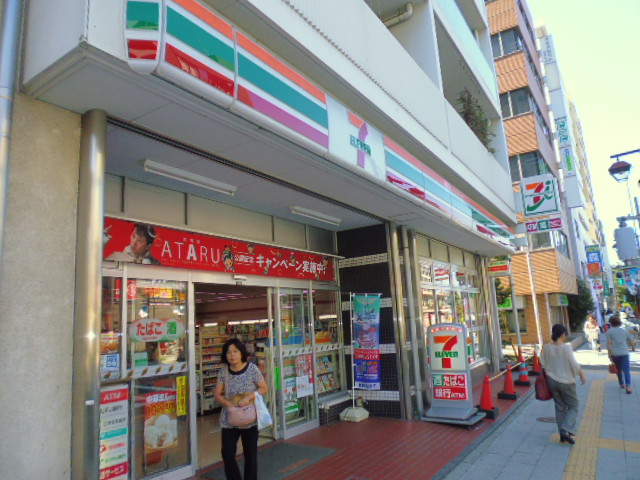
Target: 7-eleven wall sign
[(540, 195)]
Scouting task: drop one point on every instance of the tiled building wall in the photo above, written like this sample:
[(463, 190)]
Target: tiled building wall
[(365, 269)]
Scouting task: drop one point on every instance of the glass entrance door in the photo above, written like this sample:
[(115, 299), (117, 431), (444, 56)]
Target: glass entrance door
[(297, 403)]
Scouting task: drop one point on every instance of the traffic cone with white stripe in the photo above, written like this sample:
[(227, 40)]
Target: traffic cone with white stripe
[(523, 380)]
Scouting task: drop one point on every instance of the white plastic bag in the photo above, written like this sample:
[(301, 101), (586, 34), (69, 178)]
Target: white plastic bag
[(264, 417)]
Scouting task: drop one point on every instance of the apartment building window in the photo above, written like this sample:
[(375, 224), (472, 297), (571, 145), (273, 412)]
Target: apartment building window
[(562, 242), (506, 42), (541, 240), (527, 25), (534, 69), (527, 165), (517, 102)]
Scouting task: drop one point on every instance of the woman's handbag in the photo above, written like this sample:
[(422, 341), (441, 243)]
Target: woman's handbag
[(239, 416), (613, 368), (542, 387)]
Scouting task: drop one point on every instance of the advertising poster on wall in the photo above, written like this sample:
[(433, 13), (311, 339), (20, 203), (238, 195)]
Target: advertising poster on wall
[(366, 341), (160, 421), (143, 243), (114, 432)]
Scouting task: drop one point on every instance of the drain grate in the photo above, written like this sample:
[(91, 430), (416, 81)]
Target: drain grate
[(546, 419)]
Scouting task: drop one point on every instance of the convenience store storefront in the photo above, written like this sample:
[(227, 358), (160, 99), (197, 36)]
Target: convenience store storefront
[(163, 324)]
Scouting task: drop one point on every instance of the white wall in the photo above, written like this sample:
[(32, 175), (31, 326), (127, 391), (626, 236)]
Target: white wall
[(37, 293)]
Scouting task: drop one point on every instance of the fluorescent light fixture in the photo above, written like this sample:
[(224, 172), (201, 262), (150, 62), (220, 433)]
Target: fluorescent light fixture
[(214, 324), (312, 214), (187, 177), (326, 317)]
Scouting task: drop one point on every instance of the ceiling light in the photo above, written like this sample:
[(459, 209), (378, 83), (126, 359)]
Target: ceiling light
[(312, 214), (187, 177)]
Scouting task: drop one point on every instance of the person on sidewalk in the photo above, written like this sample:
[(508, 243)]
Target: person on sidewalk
[(592, 332), (237, 383), (618, 341), (562, 368)]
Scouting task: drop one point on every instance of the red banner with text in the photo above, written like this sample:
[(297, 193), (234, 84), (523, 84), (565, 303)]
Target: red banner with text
[(143, 243)]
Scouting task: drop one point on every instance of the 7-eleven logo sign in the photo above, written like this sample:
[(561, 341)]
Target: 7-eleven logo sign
[(446, 353), (540, 195)]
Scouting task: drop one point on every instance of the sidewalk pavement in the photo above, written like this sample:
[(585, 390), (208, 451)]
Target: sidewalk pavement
[(521, 443), (526, 445)]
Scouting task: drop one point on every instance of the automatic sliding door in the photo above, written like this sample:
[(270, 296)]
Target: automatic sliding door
[(297, 404)]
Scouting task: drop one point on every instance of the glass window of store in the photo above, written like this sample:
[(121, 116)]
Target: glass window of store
[(450, 293), (154, 348)]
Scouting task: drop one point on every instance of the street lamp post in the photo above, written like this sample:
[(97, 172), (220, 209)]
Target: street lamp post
[(621, 171)]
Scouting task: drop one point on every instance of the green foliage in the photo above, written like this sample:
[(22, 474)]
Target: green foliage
[(625, 296), (502, 293), (580, 305), (474, 117)]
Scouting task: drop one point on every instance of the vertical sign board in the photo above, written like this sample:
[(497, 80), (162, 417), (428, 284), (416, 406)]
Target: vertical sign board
[(450, 371), (366, 341), (114, 432)]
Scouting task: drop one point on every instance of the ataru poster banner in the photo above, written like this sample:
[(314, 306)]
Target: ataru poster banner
[(366, 341)]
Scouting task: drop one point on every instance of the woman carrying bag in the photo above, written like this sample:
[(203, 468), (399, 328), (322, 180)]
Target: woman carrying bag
[(592, 332), (237, 385), (562, 369), (618, 340)]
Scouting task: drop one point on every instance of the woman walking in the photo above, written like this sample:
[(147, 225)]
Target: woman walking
[(592, 332), (618, 341), (562, 368), (236, 387)]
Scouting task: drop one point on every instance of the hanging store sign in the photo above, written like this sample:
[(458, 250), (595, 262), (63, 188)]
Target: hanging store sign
[(142, 243), (545, 225), (499, 268), (594, 260), (366, 341), (540, 195)]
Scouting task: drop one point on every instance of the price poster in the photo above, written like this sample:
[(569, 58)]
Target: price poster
[(114, 433), (366, 341), (160, 421)]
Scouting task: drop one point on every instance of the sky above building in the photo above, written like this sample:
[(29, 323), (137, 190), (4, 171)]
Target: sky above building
[(598, 52)]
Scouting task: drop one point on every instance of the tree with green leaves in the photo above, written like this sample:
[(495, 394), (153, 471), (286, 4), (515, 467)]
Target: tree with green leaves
[(580, 305)]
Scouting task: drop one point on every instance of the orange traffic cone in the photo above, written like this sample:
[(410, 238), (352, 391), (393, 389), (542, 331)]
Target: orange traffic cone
[(486, 404), (509, 392), (520, 356), (523, 380), (536, 368)]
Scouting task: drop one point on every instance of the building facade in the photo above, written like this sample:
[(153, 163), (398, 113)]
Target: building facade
[(582, 211), (189, 171), (545, 267)]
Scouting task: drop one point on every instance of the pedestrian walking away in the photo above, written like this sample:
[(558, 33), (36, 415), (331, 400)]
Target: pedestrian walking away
[(562, 368), (592, 332), (618, 342), (237, 383)]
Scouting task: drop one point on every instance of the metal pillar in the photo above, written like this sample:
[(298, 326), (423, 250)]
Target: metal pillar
[(515, 308), (402, 362), (85, 425), (532, 281), (411, 317), (9, 43)]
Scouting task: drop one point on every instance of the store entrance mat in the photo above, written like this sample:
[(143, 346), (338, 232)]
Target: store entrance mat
[(278, 461)]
